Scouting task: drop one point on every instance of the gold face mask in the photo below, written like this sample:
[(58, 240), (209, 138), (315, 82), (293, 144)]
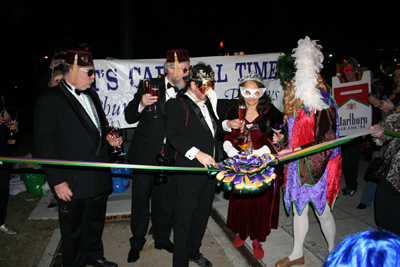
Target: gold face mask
[(206, 86)]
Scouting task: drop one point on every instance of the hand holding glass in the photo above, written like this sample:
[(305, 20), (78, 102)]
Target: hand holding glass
[(147, 89), (277, 128), (115, 131)]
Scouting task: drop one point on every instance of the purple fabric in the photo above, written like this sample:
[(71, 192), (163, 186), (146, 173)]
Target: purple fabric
[(301, 195)]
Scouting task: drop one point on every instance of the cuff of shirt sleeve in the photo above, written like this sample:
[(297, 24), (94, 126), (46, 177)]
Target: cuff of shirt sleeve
[(191, 153), (225, 126)]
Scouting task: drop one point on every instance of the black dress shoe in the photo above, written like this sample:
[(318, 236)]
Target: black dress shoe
[(169, 247), (200, 260), (133, 255), (103, 263), (361, 206)]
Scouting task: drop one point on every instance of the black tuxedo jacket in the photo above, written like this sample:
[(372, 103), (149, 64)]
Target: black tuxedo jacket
[(63, 130), (149, 135), (195, 134)]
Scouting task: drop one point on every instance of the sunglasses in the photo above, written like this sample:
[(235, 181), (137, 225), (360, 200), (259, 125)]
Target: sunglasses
[(89, 72), (184, 70)]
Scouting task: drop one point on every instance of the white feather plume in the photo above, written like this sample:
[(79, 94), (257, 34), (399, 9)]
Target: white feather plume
[(308, 63)]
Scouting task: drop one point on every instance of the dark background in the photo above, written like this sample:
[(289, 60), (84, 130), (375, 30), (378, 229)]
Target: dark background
[(31, 30)]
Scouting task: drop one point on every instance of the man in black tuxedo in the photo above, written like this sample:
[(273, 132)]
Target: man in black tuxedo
[(147, 142), (191, 124), (69, 124)]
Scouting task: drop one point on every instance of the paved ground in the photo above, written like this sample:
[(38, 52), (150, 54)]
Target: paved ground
[(217, 244)]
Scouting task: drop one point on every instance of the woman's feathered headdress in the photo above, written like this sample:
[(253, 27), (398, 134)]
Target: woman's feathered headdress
[(308, 63)]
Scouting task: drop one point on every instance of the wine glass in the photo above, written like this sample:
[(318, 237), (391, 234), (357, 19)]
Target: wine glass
[(154, 92), (242, 116), (115, 131), (277, 128), (147, 89)]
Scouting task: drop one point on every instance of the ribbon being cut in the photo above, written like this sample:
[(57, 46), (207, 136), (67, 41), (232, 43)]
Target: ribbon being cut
[(241, 173)]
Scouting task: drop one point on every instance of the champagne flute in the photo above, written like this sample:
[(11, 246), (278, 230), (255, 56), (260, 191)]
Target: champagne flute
[(242, 116), (147, 89), (116, 132), (154, 92)]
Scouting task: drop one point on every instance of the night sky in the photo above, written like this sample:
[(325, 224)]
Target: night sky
[(146, 29)]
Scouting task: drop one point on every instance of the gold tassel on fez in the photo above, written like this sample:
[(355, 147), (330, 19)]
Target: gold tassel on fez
[(176, 66), (75, 70)]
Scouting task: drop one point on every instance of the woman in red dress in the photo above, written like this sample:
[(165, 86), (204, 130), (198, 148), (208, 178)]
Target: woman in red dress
[(254, 214)]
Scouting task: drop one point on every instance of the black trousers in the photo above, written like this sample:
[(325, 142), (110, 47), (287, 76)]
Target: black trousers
[(195, 195), (387, 207), (351, 153), (81, 226), (4, 193), (162, 209)]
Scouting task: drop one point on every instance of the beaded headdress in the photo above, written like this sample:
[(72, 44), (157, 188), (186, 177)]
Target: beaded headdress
[(252, 76)]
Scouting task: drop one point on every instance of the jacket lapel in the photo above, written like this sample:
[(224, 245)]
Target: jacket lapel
[(213, 117), (102, 119), (199, 115), (81, 114)]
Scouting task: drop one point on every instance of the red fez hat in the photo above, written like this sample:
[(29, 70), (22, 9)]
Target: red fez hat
[(177, 56), (84, 58), (78, 58)]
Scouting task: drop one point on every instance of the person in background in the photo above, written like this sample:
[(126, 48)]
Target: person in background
[(369, 248), (311, 118), (52, 75), (386, 102), (4, 168), (351, 151), (387, 197), (70, 124), (254, 214), (146, 143)]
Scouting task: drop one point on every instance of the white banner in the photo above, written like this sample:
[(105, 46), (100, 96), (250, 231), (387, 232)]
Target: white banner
[(117, 80)]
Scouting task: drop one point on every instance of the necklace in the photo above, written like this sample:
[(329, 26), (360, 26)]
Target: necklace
[(248, 115)]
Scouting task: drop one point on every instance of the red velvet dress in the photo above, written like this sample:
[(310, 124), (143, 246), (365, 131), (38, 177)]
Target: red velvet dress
[(254, 214)]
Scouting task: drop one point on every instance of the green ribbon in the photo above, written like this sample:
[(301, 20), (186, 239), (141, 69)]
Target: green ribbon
[(211, 169)]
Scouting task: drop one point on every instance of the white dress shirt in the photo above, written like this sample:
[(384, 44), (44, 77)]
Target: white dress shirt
[(191, 153)]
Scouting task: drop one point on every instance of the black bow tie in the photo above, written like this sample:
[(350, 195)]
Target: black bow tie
[(79, 92), (170, 85)]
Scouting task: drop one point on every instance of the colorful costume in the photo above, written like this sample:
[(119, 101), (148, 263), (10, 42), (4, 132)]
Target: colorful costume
[(315, 178)]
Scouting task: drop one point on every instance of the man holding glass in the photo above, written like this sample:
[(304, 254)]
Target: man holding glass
[(147, 142), (69, 124)]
